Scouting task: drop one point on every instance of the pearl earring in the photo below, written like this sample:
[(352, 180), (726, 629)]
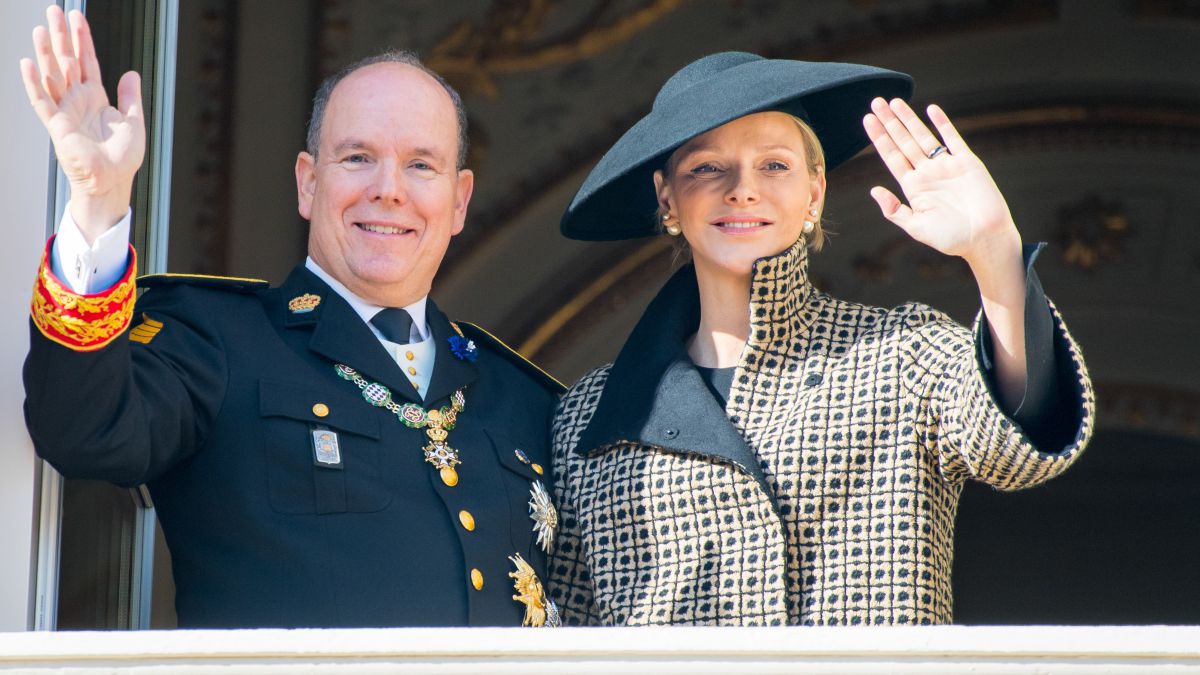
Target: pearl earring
[(810, 225), (671, 225)]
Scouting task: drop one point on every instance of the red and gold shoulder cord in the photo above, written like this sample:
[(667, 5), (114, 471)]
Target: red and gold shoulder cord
[(82, 323)]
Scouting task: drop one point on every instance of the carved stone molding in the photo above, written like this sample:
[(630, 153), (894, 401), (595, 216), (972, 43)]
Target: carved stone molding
[(512, 38), (1092, 231), (879, 266), (888, 25), (1160, 410), (1168, 9)]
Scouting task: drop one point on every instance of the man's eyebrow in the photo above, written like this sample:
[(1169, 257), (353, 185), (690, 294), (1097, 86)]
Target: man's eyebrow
[(351, 144), (421, 151)]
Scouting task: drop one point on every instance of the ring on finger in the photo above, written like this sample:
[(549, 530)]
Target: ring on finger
[(938, 150)]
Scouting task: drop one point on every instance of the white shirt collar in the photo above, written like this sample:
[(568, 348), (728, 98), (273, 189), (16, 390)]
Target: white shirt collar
[(367, 310)]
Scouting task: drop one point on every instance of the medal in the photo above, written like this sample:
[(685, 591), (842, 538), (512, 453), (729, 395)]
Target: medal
[(543, 514), (437, 422), (539, 610)]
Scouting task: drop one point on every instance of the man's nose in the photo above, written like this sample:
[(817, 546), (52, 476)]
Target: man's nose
[(743, 187), (389, 185)]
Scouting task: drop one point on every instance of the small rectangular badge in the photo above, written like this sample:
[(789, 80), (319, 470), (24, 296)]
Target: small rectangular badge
[(325, 448)]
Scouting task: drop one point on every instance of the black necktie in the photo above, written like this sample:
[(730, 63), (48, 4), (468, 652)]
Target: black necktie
[(394, 323)]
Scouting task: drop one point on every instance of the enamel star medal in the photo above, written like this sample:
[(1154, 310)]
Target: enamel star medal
[(437, 452)]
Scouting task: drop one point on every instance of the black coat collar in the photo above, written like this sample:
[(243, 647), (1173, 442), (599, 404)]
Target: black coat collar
[(655, 396), (340, 334)]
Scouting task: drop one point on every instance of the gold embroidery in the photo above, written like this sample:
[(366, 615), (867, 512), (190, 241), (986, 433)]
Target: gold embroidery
[(145, 331), (83, 304), (91, 334), (79, 322)]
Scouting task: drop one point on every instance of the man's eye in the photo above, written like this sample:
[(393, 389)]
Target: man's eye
[(357, 158), (422, 166)]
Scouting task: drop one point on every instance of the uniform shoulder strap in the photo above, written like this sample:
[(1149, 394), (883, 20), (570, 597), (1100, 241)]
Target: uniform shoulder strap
[(473, 332), (234, 284)]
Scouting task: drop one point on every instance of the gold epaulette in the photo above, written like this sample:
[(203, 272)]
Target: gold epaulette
[(478, 334), (82, 323), (236, 284)]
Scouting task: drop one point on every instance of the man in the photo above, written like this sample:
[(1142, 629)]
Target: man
[(332, 452)]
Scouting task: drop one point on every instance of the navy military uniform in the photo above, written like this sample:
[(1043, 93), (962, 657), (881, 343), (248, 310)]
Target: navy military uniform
[(213, 402)]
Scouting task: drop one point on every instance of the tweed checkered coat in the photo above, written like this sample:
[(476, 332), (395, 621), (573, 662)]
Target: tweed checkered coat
[(824, 493)]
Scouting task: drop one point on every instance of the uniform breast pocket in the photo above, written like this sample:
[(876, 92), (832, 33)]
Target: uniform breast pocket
[(338, 471), (527, 481)]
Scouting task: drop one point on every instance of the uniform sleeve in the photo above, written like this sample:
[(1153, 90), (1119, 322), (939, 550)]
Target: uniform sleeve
[(126, 406), (964, 424), (570, 577)]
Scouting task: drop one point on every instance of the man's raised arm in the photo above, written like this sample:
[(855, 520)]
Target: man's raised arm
[(99, 147)]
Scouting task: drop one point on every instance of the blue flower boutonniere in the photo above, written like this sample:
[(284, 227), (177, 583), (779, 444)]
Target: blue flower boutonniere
[(463, 348)]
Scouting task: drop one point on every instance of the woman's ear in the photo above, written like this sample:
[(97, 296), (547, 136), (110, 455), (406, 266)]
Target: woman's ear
[(663, 190), (816, 193)]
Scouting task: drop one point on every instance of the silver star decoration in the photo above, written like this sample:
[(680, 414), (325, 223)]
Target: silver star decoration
[(543, 514)]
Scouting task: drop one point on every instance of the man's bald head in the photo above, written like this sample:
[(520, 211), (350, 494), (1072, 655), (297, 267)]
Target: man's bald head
[(321, 99)]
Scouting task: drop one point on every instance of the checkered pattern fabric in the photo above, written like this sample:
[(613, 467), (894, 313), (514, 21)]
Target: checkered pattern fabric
[(866, 423)]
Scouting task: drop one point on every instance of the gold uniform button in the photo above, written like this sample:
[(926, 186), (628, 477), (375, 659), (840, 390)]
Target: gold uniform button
[(412, 371), (467, 520), (409, 356), (449, 476), (477, 579), (538, 469), (320, 409)]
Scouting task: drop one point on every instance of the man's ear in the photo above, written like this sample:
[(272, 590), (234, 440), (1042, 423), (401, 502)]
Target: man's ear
[(462, 198), (306, 183)]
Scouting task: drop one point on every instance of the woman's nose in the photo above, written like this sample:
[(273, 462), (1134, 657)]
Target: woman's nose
[(743, 188)]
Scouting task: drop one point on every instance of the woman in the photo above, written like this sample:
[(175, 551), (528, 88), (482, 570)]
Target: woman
[(761, 453)]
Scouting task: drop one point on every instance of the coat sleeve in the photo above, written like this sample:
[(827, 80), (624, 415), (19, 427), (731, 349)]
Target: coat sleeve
[(962, 422), (570, 576), (129, 409)]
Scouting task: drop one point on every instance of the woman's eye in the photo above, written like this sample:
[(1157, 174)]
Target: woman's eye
[(776, 166), (705, 168)]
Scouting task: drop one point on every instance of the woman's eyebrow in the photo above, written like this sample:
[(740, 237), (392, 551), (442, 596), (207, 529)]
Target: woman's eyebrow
[(774, 147)]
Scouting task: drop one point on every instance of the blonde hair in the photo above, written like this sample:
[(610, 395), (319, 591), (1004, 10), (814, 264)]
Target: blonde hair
[(814, 156)]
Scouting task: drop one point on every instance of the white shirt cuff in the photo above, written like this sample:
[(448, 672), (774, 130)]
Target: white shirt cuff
[(90, 269)]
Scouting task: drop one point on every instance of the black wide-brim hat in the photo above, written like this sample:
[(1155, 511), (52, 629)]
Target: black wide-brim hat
[(618, 201)]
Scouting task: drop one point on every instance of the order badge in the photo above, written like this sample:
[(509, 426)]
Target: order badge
[(325, 448)]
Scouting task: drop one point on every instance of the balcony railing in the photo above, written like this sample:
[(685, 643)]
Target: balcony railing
[(694, 651)]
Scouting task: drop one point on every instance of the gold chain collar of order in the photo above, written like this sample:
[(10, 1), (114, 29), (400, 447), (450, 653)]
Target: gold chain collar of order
[(437, 422)]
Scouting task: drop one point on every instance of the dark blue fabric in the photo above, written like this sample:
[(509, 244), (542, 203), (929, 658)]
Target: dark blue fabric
[(394, 323), (215, 414)]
